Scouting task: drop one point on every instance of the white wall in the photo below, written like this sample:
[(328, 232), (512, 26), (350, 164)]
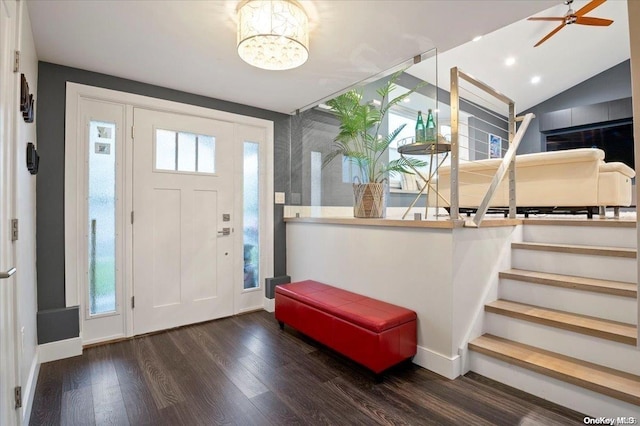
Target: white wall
[(26, 213), (479, 254), (634, 36), (409, 267), (441, 274)]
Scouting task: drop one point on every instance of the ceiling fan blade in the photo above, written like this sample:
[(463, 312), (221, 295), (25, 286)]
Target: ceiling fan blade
[(599, 22), (558, 28), (589, 7), (549, 18)]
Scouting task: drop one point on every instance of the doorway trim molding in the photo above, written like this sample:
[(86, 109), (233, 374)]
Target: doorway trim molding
[(73, 201)]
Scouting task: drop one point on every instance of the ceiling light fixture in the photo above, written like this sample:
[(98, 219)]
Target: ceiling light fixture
[(510, 61), (535, 79), (476, 38), (273, 34)]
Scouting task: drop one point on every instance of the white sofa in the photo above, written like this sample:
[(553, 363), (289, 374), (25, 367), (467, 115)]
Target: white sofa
[(573, 178)]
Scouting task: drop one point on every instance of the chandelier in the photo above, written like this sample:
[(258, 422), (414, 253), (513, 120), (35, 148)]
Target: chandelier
[(273, 34)]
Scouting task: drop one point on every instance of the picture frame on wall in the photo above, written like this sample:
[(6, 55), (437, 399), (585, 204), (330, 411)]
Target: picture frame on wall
[(495, 146)]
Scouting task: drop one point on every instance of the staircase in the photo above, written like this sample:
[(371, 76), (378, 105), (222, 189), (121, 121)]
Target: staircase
[(564, 326)]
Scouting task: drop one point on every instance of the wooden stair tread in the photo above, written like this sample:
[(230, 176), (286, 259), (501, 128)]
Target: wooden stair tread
[(577, 249), (617, 288), (605, 329), (614, 383), (596, 221)]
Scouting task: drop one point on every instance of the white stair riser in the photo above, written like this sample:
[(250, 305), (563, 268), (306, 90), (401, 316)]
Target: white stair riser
[(581, 235), (581, 265), (599, 351), (582, 400), (606, 306)]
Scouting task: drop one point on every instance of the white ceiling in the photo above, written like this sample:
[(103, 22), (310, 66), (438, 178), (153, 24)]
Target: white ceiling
[(190, 45), (573, 55)]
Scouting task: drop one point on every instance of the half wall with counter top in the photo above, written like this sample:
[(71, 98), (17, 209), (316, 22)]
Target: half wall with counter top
[(440, 270)]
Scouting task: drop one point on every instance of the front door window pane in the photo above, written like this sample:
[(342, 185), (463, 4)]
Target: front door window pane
[(102, 217), (206, 154), (165, 150), (185, 152)]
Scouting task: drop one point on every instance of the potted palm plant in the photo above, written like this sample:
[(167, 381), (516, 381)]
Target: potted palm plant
[(360, 142)]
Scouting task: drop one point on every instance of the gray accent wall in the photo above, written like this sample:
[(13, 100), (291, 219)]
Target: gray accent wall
[(55, 321), (609, 85)]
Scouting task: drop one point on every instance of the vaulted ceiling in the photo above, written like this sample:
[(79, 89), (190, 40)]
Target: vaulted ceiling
[(191, 45)]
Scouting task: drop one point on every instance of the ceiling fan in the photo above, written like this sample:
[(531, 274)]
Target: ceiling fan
[(572, 17)]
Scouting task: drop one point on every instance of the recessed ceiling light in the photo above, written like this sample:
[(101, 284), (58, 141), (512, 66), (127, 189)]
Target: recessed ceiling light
[(535, 79), (510, 61), (406, 100), (476, 38)]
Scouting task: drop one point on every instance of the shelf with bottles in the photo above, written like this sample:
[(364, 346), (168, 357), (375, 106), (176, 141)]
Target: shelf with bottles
[(409, 146)]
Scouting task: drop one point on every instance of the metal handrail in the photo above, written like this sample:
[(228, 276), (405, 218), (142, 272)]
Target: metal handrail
[(508, 162), (506, 165), (9, 273)]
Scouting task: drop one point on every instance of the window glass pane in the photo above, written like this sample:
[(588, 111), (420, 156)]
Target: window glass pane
[(316, 178), (186, 152), (251, 215), (206, 154), (195, 153), (101, 220), (351, 171), (165, 150)]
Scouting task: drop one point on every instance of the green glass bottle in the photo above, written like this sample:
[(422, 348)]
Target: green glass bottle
[(430, 132), (420, 129)]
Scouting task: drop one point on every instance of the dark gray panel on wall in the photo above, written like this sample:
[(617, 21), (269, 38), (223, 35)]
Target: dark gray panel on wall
[(620, 109), (52, 81), (57, 324), (589, 114), (586, 115), (555, 120)]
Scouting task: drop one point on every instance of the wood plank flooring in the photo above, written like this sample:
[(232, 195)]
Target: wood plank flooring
[(243, 370)]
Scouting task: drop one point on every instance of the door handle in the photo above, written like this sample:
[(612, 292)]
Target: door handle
[(225, 231), (7, 274)]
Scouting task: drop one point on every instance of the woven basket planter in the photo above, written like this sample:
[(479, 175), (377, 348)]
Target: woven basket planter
[(370, 200)]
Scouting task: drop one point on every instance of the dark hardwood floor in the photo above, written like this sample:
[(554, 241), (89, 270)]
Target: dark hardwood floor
[(243, 370)]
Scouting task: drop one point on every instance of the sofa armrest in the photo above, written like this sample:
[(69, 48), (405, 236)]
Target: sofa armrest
[(617, 167)]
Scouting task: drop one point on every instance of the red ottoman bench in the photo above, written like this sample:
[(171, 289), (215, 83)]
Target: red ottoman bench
[(373, 333)]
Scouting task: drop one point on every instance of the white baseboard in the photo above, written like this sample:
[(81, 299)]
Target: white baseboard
[(29, 389), (438, 363), (59, 350), (269, 305)]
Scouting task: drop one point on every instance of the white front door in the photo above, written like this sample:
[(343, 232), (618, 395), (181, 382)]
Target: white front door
[(183, 220), (8, 106)]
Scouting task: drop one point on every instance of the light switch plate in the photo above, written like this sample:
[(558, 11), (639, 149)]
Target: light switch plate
[(279, 198)]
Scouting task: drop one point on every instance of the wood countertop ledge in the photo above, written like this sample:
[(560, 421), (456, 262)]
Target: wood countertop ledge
[(436, 224)]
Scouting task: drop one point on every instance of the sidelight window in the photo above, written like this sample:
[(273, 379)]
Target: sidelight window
[(251, 215), (102, 217)]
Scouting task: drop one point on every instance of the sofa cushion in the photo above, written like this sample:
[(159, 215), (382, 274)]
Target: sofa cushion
[(363, 311)]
